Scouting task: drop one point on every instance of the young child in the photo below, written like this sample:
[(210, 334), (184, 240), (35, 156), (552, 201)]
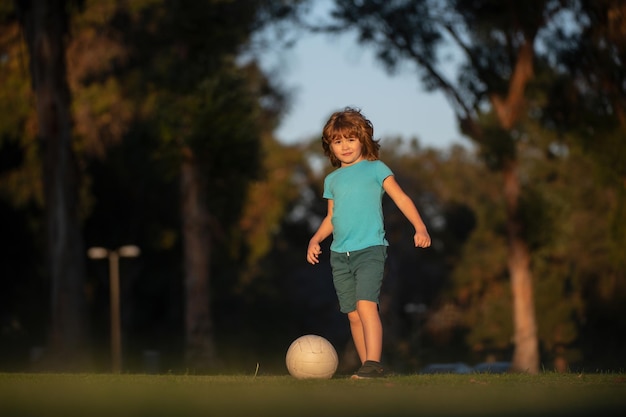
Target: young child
[(355, 219)]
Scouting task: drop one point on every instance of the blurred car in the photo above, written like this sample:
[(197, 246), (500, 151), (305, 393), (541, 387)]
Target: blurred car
[(493, 367), (447, 368), (462, 368)]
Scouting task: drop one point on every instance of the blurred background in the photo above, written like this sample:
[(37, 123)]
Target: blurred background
[(161, 174)]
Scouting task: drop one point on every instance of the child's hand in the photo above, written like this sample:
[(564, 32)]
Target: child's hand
[(421, 239), (313, 253)]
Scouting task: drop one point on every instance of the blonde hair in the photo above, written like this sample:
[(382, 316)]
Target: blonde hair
[(350, 123)]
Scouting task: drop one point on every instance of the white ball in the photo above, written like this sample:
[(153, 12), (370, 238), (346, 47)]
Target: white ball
[(311, 357)]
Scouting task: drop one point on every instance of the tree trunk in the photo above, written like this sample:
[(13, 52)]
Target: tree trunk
[(200, 352), (44, 24), (509, 110), (525, 356)]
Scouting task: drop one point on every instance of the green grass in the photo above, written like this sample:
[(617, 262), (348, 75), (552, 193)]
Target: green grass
[(547, 394)]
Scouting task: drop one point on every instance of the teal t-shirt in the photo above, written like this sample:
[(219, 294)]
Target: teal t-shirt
[(357, 193)]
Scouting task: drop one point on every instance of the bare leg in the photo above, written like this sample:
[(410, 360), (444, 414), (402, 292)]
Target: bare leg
[(356, 327), (372, 329)]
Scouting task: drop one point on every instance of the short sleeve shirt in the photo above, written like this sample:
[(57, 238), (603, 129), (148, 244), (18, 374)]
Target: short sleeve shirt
[(357, 193)]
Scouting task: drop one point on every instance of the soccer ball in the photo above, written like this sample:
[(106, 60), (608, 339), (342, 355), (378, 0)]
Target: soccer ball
[(311, 357)]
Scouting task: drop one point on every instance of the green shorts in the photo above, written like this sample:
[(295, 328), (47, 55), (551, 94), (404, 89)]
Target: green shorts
[(358, 275)]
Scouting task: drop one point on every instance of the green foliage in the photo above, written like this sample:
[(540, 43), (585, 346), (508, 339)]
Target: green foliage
[(7, 11), (268, 200), (20, 164), (539, 218), (497, 145)]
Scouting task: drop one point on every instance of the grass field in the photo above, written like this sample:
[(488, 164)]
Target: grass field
[(547, 394)]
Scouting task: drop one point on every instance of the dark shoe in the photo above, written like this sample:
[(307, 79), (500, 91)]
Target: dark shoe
[(370, 369)]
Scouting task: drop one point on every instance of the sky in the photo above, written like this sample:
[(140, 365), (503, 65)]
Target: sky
[(326, 74)]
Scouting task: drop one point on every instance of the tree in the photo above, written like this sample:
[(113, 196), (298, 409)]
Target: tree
[(584, 109), (206, 108), (45, 26)]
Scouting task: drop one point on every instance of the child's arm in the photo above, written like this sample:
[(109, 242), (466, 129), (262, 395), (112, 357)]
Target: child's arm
[(407, 207), (325, 230)]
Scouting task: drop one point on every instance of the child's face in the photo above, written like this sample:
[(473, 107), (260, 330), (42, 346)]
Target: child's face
[(347, 149)]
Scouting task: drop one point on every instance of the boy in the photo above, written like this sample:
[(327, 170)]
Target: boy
[(355, 219)]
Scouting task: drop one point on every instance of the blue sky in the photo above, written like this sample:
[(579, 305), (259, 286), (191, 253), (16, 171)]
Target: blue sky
[(326, 74)]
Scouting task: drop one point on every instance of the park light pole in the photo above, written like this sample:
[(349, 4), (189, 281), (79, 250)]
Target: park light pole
[(127, 251)]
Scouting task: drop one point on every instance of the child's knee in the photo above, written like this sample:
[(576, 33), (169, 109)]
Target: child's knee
[(354, 317)]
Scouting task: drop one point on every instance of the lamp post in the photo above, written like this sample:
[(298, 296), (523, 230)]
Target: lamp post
[(127, 251)]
